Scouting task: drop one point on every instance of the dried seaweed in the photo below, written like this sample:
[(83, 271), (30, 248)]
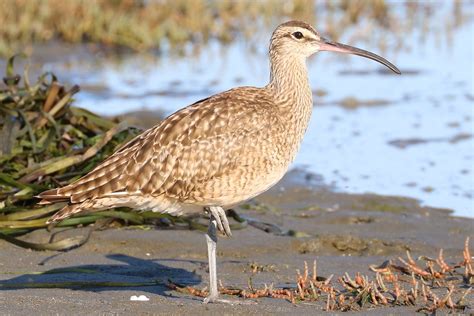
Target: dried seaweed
[(393, 285), (45, 142)]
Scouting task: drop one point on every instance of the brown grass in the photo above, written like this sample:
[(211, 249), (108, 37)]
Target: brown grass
[(144, 25)]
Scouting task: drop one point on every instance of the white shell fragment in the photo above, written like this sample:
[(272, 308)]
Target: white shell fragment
[(141, 298)]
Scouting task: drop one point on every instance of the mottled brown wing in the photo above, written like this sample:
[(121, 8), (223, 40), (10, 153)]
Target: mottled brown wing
[(195, 145), (198, 143)]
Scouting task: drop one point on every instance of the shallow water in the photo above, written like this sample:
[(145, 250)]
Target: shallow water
[(416, 140)]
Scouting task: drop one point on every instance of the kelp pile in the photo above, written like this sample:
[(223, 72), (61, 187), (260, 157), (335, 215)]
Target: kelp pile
[(46, 142)]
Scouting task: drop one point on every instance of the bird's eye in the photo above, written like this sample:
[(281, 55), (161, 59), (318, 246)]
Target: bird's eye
[(298, 35)]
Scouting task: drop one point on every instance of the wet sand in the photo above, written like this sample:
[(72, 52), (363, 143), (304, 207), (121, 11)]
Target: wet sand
[(344, 232)]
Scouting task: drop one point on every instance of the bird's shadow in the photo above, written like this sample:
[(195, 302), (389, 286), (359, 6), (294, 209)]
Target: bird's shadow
[(131, 273)]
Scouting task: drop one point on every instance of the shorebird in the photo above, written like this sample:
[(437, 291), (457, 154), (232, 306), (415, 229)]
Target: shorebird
[(215, 153)]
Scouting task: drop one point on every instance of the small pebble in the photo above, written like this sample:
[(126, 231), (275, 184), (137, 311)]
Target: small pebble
[(141, 298)]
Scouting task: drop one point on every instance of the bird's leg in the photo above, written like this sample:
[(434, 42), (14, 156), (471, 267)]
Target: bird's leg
[(217, 215), (211, 238)]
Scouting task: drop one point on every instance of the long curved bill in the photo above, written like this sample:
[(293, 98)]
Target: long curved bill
[(331, 46)]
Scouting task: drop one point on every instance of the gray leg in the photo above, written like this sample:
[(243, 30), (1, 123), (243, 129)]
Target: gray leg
[(219, 219), (211, 238)]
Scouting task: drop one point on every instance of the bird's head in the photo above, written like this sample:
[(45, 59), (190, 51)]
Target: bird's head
[(300, 40)]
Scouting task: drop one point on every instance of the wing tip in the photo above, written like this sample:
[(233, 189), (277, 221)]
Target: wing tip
[(47, 193), (43, 201), (51, 196), (64, 213)]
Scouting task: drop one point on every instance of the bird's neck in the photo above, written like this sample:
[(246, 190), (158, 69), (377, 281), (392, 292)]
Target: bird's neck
[(289, 86), (289, 83)]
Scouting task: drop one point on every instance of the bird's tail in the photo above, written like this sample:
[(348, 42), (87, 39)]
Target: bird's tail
[(65, 212), (51, 196)]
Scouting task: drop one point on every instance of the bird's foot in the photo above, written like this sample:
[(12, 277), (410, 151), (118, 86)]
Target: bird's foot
[(217, 299), (221, 218)]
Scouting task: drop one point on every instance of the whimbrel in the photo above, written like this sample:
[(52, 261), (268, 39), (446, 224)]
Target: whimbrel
[(215, 153)]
